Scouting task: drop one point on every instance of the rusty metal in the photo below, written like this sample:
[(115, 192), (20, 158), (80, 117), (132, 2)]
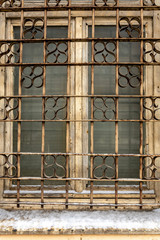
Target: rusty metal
[(56, 167), (141, 113), (116, 107), (104, 168), (43, 30), (64, 40), (57, 52), (53, 165), (130, 27), (55, 108), (130, 76), (36, 26), (9, 52), (30, 76), (92, 111), (68, 108), (105, 53), (20, 105)]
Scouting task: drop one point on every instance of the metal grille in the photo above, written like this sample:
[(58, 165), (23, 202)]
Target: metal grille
[(128, 29)]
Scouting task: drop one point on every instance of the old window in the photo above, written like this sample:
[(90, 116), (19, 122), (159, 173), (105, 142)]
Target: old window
[(79, 103)]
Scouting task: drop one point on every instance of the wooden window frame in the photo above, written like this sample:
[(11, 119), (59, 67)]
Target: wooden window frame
[(152, 143)]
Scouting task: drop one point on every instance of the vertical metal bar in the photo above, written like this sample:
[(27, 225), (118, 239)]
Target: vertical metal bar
[(116, 123), (68, 100), (141, 111), (20, 107), (92, 106), (43, 105)]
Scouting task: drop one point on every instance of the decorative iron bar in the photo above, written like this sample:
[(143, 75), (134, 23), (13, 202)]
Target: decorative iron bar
[(56, 167)]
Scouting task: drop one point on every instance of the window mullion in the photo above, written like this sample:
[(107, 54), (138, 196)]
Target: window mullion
[(79, 138), (78, 107)]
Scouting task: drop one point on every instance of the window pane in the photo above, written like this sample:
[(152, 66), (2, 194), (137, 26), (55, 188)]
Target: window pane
[(128, 108), (32, 85)]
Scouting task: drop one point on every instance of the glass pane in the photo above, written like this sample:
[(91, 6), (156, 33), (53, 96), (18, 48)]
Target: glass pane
[(128, 108), (32, 84)]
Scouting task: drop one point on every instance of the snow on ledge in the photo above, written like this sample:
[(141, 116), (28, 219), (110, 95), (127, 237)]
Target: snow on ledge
[(21, 221)]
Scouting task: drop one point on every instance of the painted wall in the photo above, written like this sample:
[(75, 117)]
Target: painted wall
[(80, 237)]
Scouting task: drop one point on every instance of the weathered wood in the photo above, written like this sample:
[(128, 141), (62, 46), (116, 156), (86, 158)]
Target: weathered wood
[(148, 89), (79, 106), (80, 196), (156, 131), (2, 92)]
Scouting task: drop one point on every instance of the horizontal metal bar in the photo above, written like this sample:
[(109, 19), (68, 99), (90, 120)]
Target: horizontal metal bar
[(19, 155), (80, 7), (82, 154), (77, 96), (82, 64), (81, 204), (88, 120), (81, 179), (121, 39)]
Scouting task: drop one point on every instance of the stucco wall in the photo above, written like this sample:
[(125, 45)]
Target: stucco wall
[(81, 237)]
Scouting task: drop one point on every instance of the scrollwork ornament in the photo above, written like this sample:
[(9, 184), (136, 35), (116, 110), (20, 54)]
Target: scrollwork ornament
[(151, 108), (57, 52), (130, 27), (101, 3), (151, 169), (58, 3), (54, 166), (10, 3), (32, 76), (10, 108), (33, 28), (9, 52), (149, 2), (104, 108), (104, 51), (9, 163), (151, 51), (104, 167), (129, 76), (56, 108)]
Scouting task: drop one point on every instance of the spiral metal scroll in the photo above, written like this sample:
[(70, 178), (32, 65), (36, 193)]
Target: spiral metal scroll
[(9, 164), (152, 51), (104, 167), (33, 28), (57, 3), (150, 2), (104, 108), (32, 76), (105, 51), (151, 107), (9, 52), (57, 52), (101, 3), (10, 3), (10, 109), (56, 108), (54, 166), (129, 75), (130, 27), (151, 168)]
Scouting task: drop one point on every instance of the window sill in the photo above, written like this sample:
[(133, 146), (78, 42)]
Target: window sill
[(79, 222)]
